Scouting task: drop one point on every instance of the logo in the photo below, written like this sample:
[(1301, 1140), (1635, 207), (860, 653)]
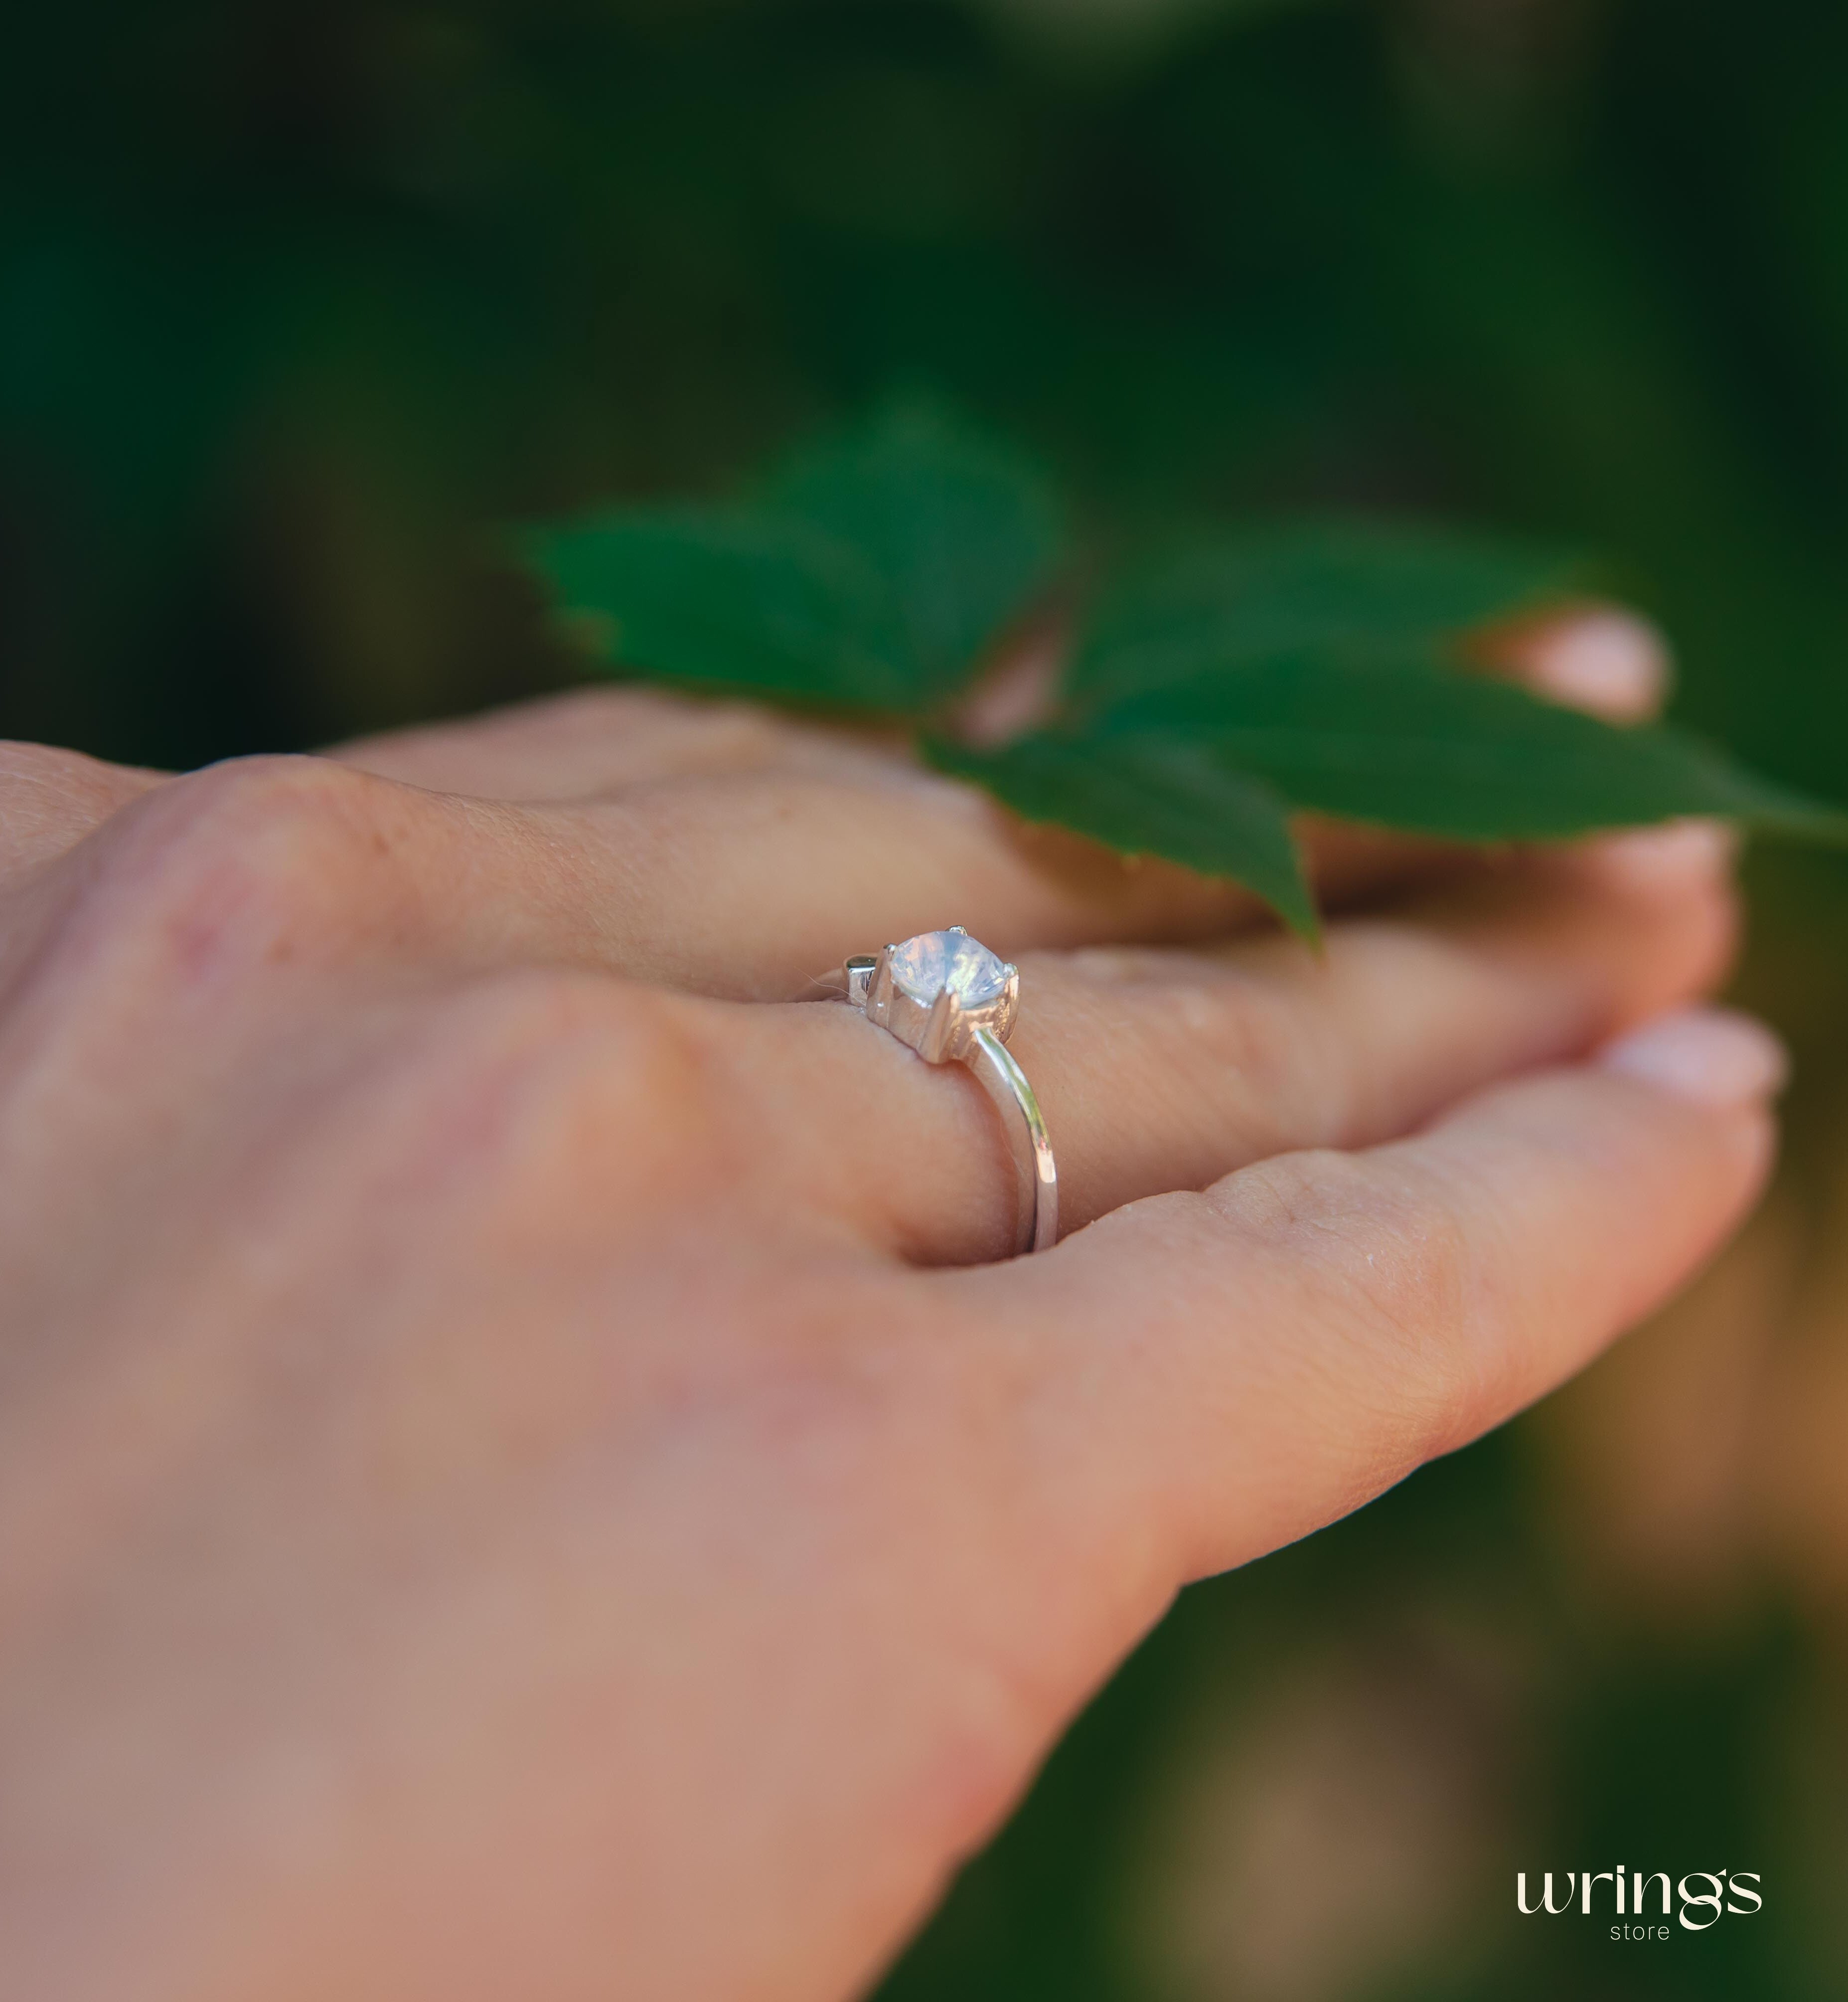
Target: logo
[(1699, 1899)]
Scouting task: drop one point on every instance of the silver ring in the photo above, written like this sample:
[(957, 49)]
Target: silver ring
[(945, 996)]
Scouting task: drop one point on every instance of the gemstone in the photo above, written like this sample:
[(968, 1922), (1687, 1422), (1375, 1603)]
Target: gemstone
[(924, 966)]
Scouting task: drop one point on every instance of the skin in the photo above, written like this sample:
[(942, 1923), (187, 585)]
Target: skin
[(518, 1474)]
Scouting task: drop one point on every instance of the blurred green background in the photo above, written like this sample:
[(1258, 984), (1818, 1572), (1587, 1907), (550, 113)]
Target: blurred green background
[(299, 304)]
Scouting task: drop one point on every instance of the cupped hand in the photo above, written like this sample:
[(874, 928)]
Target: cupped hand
[(520, 1472)]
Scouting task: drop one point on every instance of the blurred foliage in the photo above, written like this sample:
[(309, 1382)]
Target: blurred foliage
[(298, 305)]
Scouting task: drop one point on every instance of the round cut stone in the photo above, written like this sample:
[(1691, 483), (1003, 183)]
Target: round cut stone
[(924, 966)]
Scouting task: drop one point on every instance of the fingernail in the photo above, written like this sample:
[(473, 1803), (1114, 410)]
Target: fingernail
[(1610, 663), (1677, 851), (1712, 1056)]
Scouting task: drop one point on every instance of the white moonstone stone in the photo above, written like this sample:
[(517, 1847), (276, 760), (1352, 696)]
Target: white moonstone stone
[(924, 966)]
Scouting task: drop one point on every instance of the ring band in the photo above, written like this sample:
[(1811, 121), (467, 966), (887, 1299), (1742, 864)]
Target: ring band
[(945, 996)]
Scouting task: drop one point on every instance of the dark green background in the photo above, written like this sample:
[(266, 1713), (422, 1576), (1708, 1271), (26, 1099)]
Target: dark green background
[(298, 306)]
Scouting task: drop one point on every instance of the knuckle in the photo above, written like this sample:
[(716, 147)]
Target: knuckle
[(262, 860)]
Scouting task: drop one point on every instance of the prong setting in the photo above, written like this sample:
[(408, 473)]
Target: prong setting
[(859, 971), (1009, 1011), (878, 991), (939, 1028)]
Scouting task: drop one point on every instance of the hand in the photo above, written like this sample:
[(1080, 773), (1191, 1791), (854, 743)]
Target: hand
[(516, 1478)]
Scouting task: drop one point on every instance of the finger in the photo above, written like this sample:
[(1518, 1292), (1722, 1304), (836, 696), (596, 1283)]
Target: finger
[(1158, 1070), (595, 742), (748, 880), (762, 851), (1244, 1365), (753, 887)]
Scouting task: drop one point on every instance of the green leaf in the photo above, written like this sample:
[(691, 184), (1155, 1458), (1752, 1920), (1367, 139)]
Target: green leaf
[(871, 572), (1153, 794), (1413, 743), (1301, 588), (1215, 693), (1207, 773), (756, 604), (963, 532)]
